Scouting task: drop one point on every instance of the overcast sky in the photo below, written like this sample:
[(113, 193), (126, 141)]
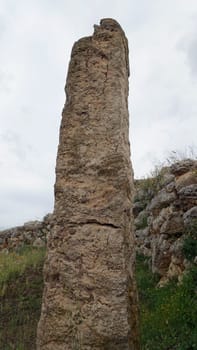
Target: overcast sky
[(36, 37)]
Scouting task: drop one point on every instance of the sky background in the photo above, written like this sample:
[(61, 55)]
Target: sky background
[(36, 37)]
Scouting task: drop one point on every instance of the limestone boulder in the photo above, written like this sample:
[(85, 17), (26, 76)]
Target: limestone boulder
[(39, 243), (175, 271), (174, 225), (161, 257), (188, 196), (33, 225), (156, 223), (190, 216), (187, 179), (170, 187), (183, 166), (167, 179), (169, 214), (161, 200), (142, 232), (138, 206), (141, 220)]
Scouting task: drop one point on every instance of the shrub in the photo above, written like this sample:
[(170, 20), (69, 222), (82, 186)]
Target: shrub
[(143, 223), (21, 286), (175, 156), (168, 315), (15, 263), (189, 248)]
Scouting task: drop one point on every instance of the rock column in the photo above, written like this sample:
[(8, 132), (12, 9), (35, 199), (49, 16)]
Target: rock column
[(89, 299)]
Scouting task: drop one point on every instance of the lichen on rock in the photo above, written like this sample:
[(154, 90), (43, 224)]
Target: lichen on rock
[(90, 298), (170, 213)]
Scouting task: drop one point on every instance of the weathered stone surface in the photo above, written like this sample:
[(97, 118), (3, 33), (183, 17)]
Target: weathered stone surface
[(171, 212), (187, 179), (173, 225), (137, 208), (190, 216), (141, 220), (161, 200), (157, 222), (183, 166), (29, 234), (168, 179), (188, 196), (188, 192), (161, 256), (38, 243), (90, 299)]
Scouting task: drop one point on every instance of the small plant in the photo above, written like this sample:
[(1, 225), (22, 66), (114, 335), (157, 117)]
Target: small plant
[(150, 185), (168, 315), (189, 248), (146, 189), (21, 285), (143, 223), (190, 152), (15, 263)]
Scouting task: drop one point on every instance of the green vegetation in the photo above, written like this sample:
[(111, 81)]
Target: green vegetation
[(155, 180), (15, 263), (168, 315), (150, 185), (20, 297), (143, 223), (190, 243)]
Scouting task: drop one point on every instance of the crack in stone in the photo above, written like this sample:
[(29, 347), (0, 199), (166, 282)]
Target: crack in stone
[(93, 221), (90, 249)]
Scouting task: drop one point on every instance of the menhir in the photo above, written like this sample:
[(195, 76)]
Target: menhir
[(90, 299)]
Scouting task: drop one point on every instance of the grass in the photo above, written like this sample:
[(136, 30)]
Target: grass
[(189, 248), (15, 263), (143, 223), (168, 315), (21, 287)]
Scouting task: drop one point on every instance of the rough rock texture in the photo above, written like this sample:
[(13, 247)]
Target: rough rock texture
[(32, 233), (165, 208), (90, 299)]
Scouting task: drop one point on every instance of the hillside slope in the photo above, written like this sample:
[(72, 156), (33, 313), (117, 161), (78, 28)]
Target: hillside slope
[(168, 315), (165, 211), (21, 285)]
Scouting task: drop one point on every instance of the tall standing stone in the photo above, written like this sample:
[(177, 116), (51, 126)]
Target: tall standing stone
[(89, 299)]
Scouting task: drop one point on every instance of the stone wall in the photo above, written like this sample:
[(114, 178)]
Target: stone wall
[(32, 233), (165, 207)]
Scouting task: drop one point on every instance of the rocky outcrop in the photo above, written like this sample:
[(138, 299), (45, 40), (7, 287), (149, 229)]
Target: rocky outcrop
[(163, 217), (90, 299), (168, 205), (33, 233)]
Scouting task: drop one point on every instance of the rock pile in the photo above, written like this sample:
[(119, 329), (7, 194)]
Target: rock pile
[(165, 207), (32, 233)]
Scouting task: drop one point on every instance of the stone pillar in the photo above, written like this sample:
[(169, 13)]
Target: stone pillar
[(90, 299)]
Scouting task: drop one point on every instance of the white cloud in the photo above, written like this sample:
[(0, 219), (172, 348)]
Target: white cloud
[(36, 40)]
